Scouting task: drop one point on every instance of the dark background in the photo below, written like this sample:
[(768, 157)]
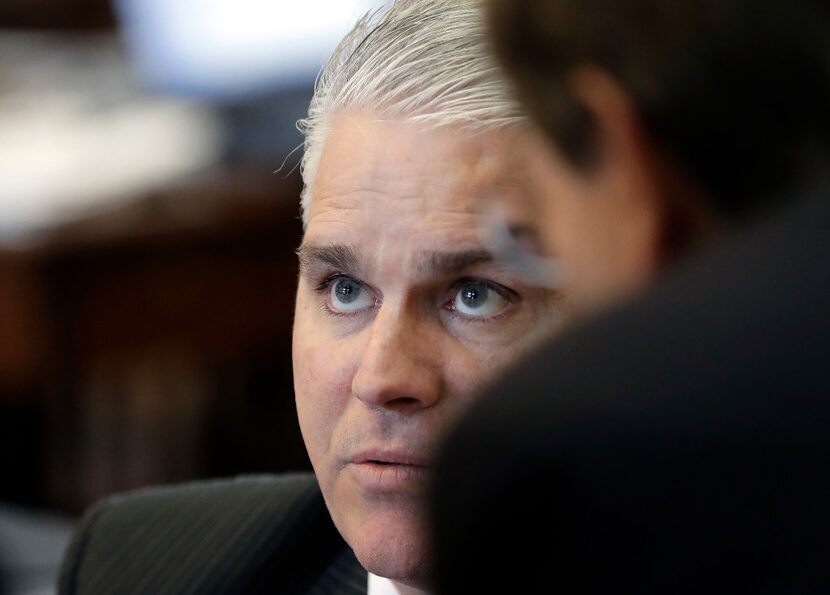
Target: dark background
[(150, 343)]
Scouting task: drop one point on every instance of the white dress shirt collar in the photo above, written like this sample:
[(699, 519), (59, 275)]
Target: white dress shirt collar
[(383, 586)]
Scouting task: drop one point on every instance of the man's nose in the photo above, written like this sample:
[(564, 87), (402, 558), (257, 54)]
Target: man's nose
[(400, 365)]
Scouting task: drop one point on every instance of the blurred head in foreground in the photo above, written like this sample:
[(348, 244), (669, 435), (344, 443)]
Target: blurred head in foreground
[(402, 312), (676, 442), (664, 121)]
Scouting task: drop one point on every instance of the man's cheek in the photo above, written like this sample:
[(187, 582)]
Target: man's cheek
[(323, 388), (326, 366)]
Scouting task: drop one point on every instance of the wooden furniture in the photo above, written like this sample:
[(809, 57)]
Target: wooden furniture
[(152, 343)]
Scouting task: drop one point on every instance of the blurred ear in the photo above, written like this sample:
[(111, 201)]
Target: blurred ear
[(628, 178), (660, 209)]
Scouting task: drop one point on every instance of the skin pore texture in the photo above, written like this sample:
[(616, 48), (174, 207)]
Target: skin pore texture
[(401, 316)]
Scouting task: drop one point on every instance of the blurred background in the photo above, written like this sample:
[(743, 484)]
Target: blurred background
[(148, 216)]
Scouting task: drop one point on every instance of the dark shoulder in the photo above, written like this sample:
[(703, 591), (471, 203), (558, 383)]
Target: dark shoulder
[(223, 497), (199, 537)]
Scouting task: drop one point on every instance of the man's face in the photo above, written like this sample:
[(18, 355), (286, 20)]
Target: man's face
[(401, 316)]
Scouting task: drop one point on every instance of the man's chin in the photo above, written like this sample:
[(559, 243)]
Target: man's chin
[(394, 550)]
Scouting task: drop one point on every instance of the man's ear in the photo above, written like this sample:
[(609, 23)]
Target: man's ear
[(660, 208), (627, 176)]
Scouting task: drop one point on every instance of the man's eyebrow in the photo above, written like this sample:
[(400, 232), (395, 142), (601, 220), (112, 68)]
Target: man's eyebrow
[(447, 263), (342, 258)]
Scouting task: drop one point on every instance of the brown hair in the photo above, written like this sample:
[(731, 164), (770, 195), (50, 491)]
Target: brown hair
[(738, 91)]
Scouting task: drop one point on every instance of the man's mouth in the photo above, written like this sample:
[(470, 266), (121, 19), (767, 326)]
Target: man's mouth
[(389, 457), (387, 470)]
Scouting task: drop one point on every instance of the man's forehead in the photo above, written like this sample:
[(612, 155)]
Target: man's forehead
[(436, 207), (365, 156), (428, 184)]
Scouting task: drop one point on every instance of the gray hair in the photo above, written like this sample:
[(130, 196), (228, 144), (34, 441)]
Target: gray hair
[(427, 61)]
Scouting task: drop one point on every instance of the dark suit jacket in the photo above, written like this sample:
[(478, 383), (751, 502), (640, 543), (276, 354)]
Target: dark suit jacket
[(258, 534), (680, 444)]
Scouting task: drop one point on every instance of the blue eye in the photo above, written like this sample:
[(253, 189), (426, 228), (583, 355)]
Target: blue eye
[(349, 295), (478, 299)]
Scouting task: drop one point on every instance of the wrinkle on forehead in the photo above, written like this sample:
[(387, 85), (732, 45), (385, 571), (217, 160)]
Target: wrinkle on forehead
[(426, 187), (364, 156)]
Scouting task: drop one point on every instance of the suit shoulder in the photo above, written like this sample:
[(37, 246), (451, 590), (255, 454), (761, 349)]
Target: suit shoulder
[(234, 494), (183, 538)]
